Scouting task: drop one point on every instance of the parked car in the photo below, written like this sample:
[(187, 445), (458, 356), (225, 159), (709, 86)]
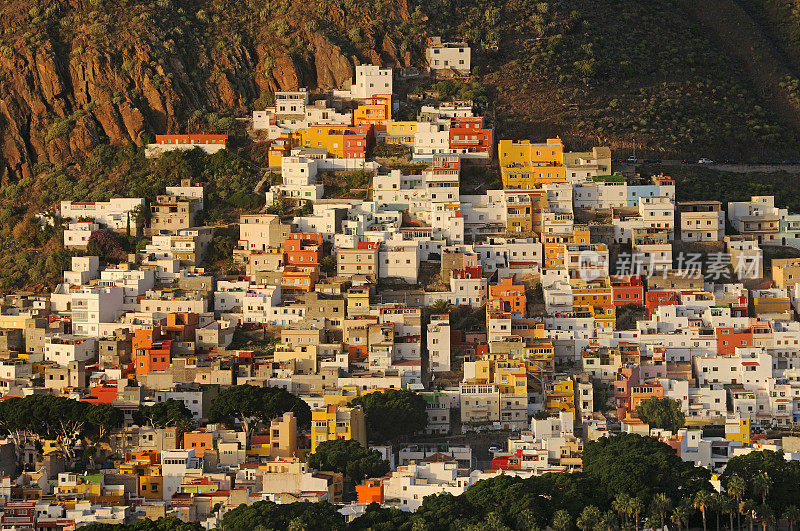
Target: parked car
[(687, 161), (705, 161), (652, 161), (632, 160), (495, 447)]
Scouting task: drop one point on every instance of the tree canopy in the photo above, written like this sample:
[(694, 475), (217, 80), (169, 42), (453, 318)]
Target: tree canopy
[(393, 414), (269, 515), (781, 481), (663, 413), (56, 417), (164, 414), (248, 404), (640, 466), (349, 458)]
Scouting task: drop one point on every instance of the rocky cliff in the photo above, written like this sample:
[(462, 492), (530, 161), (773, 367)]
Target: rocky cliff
[(74, 73)]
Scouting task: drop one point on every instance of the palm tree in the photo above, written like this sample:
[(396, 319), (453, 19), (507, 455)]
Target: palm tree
[(562, 521), (702, 501), (635, 508), (737, 488), (680, 515), (621, 504), (441, 306), (607, 522), (717, 505), (728, 505), (761, 486), (588, 517), (792, 515), (749, 508), (765, 515), (661, 505)]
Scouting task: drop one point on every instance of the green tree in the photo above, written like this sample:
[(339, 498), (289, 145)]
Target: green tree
[(636, 508), (393, 414), (328, 265), (166, 414), (728, 506), (774, 469), (588, 517), (761, 485), (737, 488), (562, 521), (104, 418), (638, 466), (792, 516), (268, 515), (350, 458), (702, 501), (621, 504), (661, 505), (441, 306), (377, 518), (680, 516), (765, 515), (249, 404), (663, 413)]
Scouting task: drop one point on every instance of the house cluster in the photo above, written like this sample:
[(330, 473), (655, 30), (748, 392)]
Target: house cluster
[(501, 308)]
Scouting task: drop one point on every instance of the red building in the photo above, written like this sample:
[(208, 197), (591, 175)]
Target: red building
[(654, 299), (469, 137), (468, 272), (358, 141), (627, 289)]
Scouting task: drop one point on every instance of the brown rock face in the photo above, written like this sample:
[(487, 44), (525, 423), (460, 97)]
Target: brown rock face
[(107, 71)]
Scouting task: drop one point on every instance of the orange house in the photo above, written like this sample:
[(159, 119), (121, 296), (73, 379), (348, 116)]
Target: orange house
[(104, 393), (151, 353), (644, 391), (182, 325), (507, 296), (554, 245), (296, 280), (729, 338), (303, 249), (200, 440), (371, 491), (376, 111)]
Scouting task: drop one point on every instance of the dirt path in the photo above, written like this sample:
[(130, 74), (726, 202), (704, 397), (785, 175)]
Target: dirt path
[(741, 37)]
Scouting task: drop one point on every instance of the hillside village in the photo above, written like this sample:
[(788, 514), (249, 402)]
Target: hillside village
[(387, 302)]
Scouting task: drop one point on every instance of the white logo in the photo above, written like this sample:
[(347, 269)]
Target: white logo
[(591, 265)]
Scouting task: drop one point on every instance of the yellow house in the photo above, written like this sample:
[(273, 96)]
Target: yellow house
[(279, 148), (49, 446), (594, 293), (525, 165), (327, 137), (303, 356), (540, 356), (151, 487), (400, 133), (561, 397), (737, 429), (336, 422)]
